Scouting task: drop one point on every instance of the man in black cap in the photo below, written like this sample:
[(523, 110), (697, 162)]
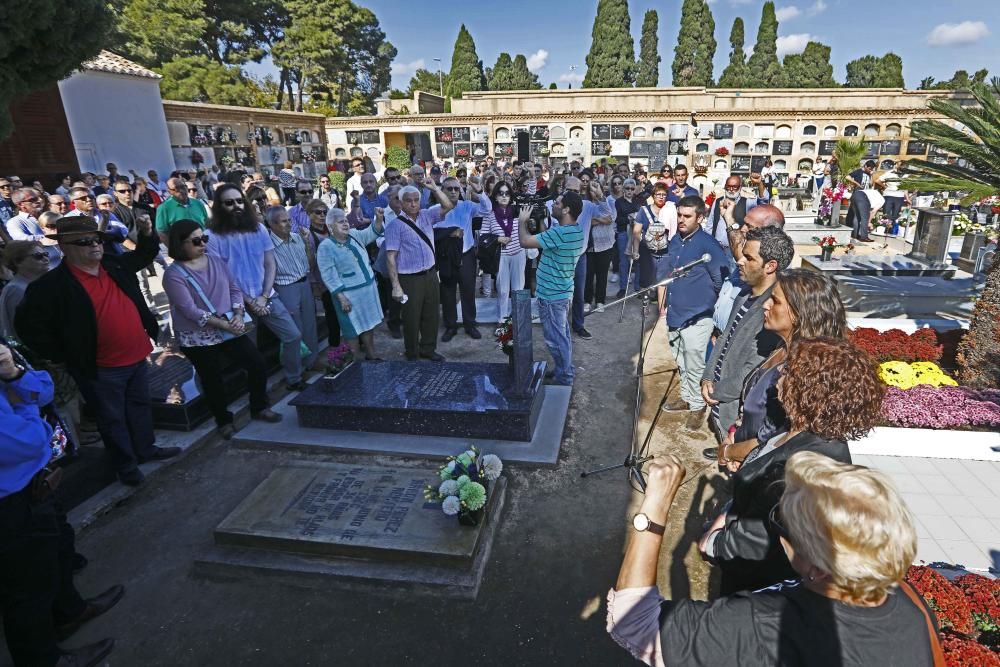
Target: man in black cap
[(89, 314)]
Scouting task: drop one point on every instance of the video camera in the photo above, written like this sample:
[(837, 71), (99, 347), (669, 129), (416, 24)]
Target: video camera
[(539, 211)]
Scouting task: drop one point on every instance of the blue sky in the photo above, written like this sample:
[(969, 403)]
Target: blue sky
[(934, 37)]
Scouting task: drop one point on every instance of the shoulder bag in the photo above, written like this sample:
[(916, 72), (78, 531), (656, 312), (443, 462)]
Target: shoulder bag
[(228, 315)]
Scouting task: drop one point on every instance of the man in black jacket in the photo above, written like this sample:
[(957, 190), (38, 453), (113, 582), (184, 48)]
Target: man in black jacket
[(89, 314)]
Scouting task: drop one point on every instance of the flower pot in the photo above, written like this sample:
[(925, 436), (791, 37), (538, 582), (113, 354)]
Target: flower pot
[(826, 254), (834, 220)]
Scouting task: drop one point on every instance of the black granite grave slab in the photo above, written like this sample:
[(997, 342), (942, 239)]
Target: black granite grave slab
[(877, 265), (473, 400)]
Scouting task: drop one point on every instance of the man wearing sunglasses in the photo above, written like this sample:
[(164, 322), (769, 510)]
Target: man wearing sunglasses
[(113, 232), (297, 214), (180, 206), (89, 314), (363, 206), (24, 225), (7, 208)]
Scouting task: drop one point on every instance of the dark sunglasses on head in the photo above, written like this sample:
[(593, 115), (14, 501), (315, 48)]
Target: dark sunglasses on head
[(87, 242), (199, 240), (231, 202)]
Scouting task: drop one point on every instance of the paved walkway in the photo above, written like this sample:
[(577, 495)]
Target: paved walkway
[(956, 504)]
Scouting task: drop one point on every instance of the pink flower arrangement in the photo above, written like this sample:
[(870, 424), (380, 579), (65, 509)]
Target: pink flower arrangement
[(924, 406), (338, 358)]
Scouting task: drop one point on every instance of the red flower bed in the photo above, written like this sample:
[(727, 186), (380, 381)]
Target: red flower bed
[(897, 345), (947, 601), (959, 652), (983, 596)]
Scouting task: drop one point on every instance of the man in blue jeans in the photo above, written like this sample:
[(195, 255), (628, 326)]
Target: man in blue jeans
[(563, 244)]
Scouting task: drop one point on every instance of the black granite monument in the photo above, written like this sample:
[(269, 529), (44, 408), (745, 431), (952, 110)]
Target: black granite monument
[(475, 400)]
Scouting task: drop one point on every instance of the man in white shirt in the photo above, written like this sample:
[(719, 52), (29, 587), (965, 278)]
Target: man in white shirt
[(894, 197), (24, 226), (354, 182)]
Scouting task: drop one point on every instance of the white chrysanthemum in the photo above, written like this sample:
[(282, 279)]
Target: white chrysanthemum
[(449, 487), (471, 454), (450, 467), (451, 505), (492, 466)]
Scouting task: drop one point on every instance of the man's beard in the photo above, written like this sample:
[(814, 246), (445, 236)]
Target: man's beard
[(732, 195)]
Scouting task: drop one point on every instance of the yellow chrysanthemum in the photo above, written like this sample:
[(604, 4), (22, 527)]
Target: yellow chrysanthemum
[(897, 374)]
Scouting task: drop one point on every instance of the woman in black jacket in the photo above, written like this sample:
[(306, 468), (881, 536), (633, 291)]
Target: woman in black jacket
[(831, 393)]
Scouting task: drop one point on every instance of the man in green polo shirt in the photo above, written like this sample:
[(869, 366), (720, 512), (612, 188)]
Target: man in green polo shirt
[(562, 245), (180, 206)]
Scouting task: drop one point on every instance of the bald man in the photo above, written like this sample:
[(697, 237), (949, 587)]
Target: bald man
[(715, 223)]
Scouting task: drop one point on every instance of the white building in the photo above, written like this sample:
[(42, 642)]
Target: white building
[(115, 114)]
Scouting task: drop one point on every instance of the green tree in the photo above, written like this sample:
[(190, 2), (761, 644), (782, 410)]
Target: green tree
[(764, 70), (809, 69), (501, 75), (649, 55), (611, 60), (736, 74), (335, 52), (158, 31), (695, 48), (553, 86), (466, 69), (875, 72), (201, 79), (960, 81), (428, 82), (45, 44), (524, 78)]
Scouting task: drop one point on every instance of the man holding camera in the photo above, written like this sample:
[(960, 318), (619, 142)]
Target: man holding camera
[(595, 211), (562, 244)]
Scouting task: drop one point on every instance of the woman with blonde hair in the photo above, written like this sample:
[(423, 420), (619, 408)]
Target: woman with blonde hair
[(850, 540)]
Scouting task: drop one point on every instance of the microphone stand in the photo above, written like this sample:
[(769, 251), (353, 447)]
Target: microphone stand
[(637, 456)]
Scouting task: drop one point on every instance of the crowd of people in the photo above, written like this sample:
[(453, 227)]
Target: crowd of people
[(239, 252)]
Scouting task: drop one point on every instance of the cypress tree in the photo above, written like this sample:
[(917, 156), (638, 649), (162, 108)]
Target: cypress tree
[(611, 60), (466, 70), (524, 78), (501, 77), (736, 74), (649, 56), (764, 68), (695, 48), (874, 72), (809, 69)]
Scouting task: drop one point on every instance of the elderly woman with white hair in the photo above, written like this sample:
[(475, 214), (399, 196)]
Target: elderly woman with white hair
[(343, 264), (850, 538)]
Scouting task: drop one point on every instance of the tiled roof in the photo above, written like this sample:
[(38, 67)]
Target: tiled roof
[(115, 64)]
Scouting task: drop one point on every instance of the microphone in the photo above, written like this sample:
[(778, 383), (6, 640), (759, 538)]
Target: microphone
[(704, 259)]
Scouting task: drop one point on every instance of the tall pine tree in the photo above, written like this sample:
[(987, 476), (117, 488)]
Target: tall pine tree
[(649, 55), (764, 68), (874, 72), (611, 60), (736, 73), (466, 70), (809, 69), (695, 48)]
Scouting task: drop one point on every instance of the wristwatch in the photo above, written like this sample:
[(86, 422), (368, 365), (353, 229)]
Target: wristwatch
[(735, 226), (642, 523)]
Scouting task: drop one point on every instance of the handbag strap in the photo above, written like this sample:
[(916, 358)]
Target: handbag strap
[(197, 288), (916, 599), (419, 232)]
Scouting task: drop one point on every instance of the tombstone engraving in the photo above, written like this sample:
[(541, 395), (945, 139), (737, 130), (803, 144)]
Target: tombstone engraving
[(930, 242)]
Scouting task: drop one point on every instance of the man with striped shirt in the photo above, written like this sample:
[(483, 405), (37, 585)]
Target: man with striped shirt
[(562, 245), (291, 278)]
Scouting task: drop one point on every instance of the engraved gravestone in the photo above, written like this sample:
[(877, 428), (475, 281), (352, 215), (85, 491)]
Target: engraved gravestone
[(933, 233), (522, 357)]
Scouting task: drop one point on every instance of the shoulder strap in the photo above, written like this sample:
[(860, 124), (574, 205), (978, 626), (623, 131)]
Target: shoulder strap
[(916, 599), (419, 232), (716, 217), (649, 212), (197, 288)]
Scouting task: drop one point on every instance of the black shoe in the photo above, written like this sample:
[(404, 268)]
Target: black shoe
[(433, 356), (676, 405), (295, 386), (395, 333), (79, 562), (86, 656), (711, 453), (160, 453), (620, 294), (474, 333), (549, 375), (584, 334), (95, 607), (266, 415), (448, 335), (132, 477), (227, 431)]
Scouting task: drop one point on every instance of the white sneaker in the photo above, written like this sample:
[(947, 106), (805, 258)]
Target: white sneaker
[(600, 308), (613, 277), (586, 307)]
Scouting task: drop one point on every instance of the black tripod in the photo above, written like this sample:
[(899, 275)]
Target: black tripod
[(638, 454)]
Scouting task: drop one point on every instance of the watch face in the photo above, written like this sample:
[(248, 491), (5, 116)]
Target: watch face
[(640, 522)]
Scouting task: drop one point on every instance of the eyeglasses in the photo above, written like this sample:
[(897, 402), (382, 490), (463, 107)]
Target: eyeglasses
[(87, 242), (319, 211), (774, 518), (503, 193), (232, 202), (630, 187), (195, 190), (199, 240), (84, 198), (452, 188), (30, 199), (732, 188), (39, 255), (305, 192), (392, 178), (659, 195), (122, 192), (5, 186), (572, 190)]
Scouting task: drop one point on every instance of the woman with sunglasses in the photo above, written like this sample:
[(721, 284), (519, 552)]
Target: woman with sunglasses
[(28, 261), (207, 312), (666, 176), (849, 539), (831, 393), (502, 221)]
